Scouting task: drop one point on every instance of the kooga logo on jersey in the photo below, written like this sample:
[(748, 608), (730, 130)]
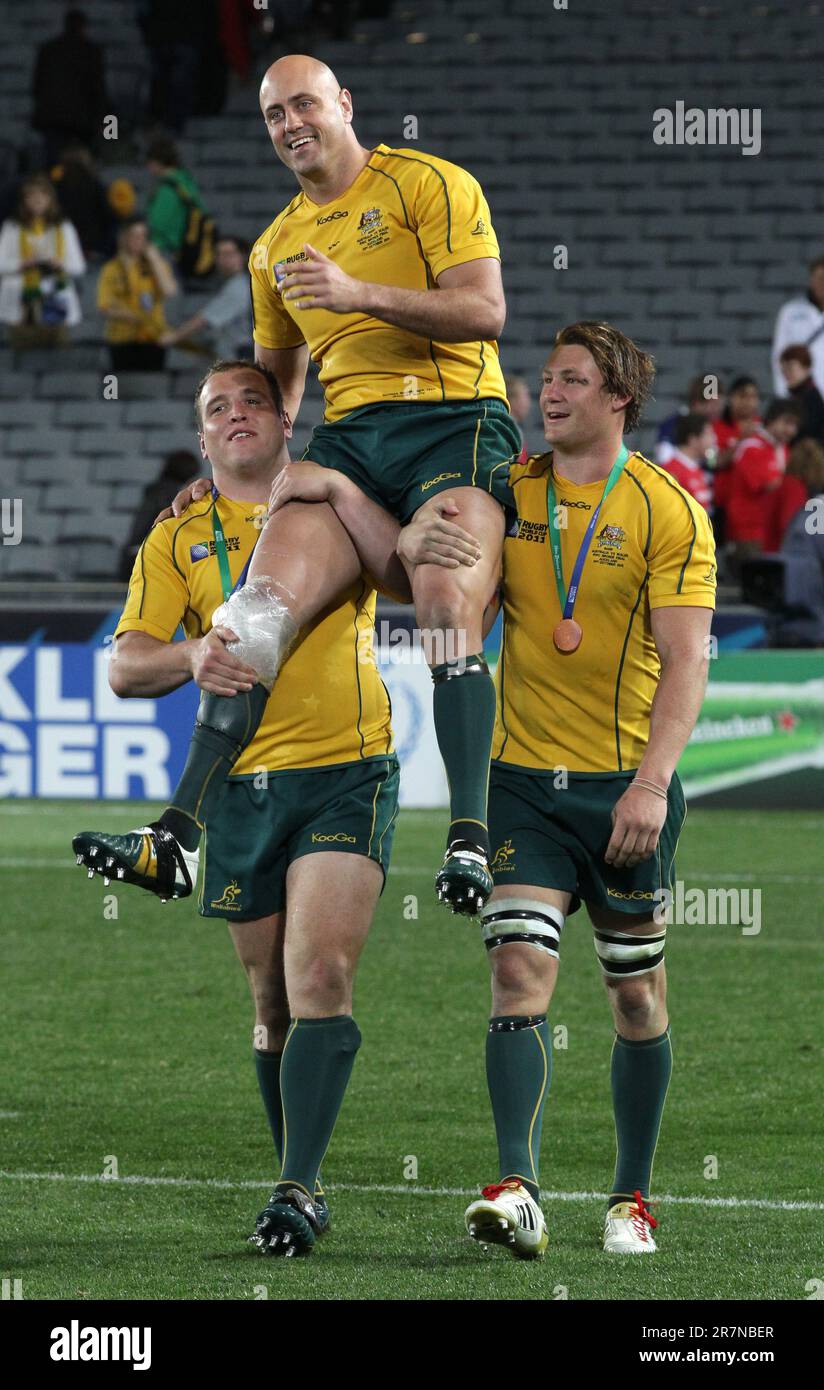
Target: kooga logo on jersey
[(332, 217)]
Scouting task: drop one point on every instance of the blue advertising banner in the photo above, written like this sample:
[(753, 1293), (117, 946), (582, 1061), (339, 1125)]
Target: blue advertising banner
[(63, 733)]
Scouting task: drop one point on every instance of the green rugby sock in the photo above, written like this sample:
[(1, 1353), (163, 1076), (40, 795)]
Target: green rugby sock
[(464, 712), (317, 1063), (518, 1074), (267, 1067), (226, 724), (640, 1073)]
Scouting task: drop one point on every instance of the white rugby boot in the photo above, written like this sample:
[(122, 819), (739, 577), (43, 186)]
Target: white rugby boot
[(505, 1214)]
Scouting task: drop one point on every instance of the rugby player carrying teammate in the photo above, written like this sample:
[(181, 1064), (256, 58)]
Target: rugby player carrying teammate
[(385, 269), (608, 591), (299, 842)]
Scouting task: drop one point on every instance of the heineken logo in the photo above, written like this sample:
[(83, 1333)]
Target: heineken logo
[(741, 726)]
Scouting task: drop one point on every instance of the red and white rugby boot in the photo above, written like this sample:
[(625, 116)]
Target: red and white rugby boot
[(628, 1229)]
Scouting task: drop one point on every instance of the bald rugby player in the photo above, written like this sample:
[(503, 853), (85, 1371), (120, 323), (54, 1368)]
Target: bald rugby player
[(385, 269)]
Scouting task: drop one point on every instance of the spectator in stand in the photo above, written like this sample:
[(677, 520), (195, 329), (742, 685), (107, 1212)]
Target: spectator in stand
[(755, 483), (131, 292), (801, 320), (796, 369), (179, 467), (803, 556), (167, 211), (40, 256), (738, 418), (241, 31), (227, 317), (84, 201), (803, 479), (694, 439), (697, 403), (520, 407), (175, 34), (69, 88)]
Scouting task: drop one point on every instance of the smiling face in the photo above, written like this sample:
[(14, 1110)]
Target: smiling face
[(241, 430), (308, 116), (576, 410)]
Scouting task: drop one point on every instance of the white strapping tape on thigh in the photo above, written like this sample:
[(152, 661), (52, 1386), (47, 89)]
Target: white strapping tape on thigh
[(265, 628), (510, 920), (628, 954)]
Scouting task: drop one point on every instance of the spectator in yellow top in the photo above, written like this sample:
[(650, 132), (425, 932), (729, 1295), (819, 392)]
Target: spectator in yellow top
[(131, 292)]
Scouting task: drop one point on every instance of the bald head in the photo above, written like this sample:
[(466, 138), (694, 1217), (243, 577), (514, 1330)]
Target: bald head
[(308, 116), (296, 72)]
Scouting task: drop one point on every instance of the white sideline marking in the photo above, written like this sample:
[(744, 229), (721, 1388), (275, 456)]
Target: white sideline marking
[(401, 1189)]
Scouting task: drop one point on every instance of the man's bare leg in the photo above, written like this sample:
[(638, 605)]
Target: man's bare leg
[(449, 607)]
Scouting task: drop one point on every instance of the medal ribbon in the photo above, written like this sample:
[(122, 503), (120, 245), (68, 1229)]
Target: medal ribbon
[(222, 554), (567, 598)]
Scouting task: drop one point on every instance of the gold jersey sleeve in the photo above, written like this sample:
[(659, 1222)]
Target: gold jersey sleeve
[(404, 220), (329, 704), (588, 710), (158, 597)]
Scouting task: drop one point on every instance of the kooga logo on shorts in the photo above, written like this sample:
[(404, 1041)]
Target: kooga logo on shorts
[(340, 838)]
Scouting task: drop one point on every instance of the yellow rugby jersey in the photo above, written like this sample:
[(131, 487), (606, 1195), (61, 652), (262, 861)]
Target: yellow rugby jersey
[(406, 218), (653, 547), (329, 704)]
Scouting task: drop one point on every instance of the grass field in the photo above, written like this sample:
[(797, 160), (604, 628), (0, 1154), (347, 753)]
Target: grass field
[(132, 1038)]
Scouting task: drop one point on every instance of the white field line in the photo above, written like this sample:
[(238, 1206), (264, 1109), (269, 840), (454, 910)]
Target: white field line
[(399, 1189)]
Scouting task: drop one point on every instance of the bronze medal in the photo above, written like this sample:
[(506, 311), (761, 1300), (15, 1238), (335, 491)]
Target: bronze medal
[(567, 635)]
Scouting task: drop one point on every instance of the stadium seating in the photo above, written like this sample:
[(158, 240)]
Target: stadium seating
[(690, 249)]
